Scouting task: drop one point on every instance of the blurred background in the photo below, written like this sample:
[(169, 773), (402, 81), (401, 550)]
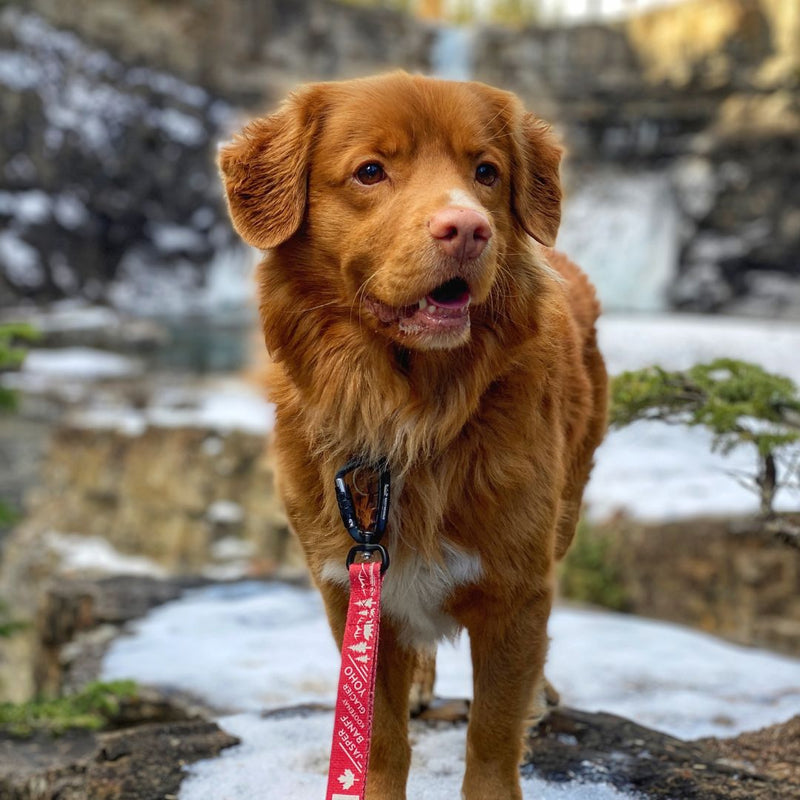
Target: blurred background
[(136, 441)]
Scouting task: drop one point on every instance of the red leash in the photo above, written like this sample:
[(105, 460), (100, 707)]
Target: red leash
[(352, 726), (352, 730)]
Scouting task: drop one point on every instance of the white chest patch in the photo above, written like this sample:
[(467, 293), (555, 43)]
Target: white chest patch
[(415, 590)]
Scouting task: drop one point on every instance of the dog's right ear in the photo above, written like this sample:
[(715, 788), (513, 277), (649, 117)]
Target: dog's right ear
[(265, 172)]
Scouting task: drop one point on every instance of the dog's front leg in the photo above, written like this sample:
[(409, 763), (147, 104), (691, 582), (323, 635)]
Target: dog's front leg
[(390, 756), (508, 653), (390, 753)]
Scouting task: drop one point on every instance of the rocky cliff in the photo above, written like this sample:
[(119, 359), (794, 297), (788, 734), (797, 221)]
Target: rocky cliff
[(248, 52), (112, 109), (111, 115), (107, 180), (706, 95)]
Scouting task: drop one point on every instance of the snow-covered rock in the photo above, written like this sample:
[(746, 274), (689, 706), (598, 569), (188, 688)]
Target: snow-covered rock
[(103, 200)]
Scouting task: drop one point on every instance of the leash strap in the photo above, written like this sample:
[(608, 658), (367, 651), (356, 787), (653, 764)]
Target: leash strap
[(352, 728)]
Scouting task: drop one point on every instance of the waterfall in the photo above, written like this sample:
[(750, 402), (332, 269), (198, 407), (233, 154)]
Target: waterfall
[(622, 229), (451, 54)]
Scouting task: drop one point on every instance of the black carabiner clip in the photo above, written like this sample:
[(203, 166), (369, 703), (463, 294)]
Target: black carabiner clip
[(347, 509)]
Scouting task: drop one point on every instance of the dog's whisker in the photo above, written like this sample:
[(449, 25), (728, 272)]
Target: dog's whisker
[(359, 297), (321, 305)]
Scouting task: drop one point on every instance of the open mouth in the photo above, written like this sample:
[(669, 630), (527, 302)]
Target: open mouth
[(449, 297), (444, 310)]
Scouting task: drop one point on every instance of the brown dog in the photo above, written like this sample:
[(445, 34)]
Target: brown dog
[(411, 316)]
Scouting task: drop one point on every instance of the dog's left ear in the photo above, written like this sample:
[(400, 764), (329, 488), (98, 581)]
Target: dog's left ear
[(536, 185), (265, 172)]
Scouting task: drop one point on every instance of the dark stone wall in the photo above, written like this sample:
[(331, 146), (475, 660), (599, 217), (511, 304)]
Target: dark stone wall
[(112, 109), (105, 167), (248, 50), (111, 116), (716, 107)]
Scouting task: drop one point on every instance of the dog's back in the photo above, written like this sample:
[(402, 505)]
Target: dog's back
[(585, 309)]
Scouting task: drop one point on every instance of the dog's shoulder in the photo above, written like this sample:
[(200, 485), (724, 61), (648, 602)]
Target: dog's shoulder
[(581, 294)]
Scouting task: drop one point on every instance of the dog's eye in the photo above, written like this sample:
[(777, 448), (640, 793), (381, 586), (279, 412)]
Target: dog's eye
[(486, 174), (370, 173)]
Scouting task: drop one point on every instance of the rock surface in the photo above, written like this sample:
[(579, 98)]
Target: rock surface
[(246, 51), (77, 619), (187, 498), (157, 734), (572, 744), (108, 178), (146, 761), (706, 93), (773, 751), (717, 575), (111, 116)]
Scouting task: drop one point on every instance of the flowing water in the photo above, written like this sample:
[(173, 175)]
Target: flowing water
[(621, 227), (451, 55)]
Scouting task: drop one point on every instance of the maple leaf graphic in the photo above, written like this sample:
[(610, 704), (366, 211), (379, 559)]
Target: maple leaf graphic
[(347, 779)]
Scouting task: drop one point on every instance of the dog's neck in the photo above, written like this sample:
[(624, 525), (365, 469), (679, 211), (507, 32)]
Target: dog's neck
[(360, 393), (382, 401)]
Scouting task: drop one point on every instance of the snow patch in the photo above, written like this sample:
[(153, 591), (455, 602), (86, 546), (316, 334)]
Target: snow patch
[(224, 406), (658, 472), (654, 471), (678, 341), (81, 363), (685, 683), (20, 262), (180, 127), (225, 512), (71, 315), (30, 208), (18, 71), (69, 211), (171, 238), (95, 555), (671, 678), (291, 757)]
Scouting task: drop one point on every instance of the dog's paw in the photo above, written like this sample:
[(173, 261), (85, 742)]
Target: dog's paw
[(421, 694), (546, 698), (552, 698)]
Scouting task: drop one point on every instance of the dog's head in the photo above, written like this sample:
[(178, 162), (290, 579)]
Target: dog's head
[(399, 198)]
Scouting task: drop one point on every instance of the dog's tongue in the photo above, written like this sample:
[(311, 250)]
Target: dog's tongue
[(454, 294)]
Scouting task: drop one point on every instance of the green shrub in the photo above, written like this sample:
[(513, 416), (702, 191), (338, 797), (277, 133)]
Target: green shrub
[(91, 709), (740, 403), (589, 573), (13, 338)]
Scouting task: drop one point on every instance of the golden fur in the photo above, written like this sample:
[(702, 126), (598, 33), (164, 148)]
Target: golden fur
[(489, 422)]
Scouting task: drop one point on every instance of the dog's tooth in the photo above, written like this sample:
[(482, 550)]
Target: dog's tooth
[(423, 304)]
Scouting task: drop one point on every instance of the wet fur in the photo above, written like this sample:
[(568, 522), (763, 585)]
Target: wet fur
[(490, 442)]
